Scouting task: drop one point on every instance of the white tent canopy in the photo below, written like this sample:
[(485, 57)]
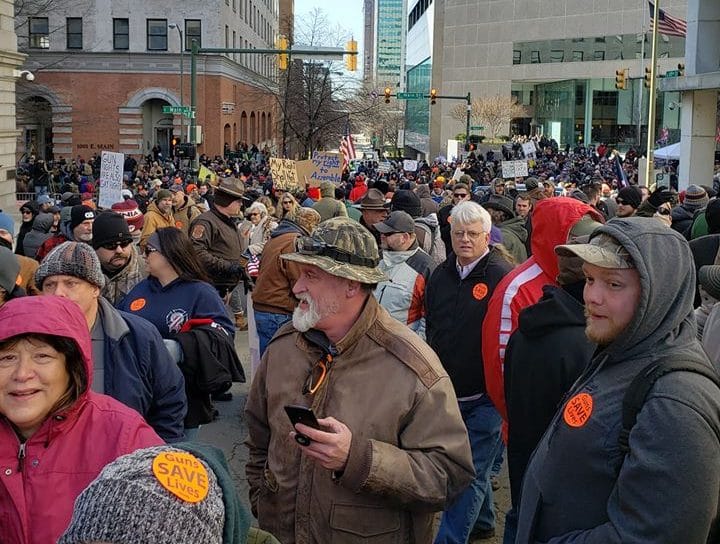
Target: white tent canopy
[(668, 153)]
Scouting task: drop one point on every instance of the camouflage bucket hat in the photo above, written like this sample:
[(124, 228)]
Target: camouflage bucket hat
[(342, 247)]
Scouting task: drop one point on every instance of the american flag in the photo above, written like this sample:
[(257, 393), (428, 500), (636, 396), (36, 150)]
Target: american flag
[(670, 26), (347, 148), (619, 171)]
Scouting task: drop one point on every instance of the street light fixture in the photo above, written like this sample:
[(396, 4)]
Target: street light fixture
[(182, 77)]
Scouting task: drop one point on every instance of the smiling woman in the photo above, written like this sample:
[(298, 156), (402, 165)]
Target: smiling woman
[(55, 434)]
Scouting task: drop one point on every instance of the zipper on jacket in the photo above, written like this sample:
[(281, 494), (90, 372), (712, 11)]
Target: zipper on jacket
[(21, 456)]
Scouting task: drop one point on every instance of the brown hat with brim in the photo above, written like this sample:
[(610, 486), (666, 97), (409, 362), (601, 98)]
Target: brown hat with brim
[(231, 186), (374, 199), (341, 247), (602, 250)]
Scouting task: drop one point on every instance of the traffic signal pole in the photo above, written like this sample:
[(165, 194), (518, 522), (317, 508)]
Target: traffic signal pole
[(195, 50)]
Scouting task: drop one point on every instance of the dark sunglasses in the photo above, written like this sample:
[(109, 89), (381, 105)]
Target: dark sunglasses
[(307, 245), (112, 246), (149, 250), (254, 214), (26, 212), (460, 195), (620, 201), (316, 375)]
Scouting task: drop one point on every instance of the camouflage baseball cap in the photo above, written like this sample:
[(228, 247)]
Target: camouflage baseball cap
[(342, 247), (602, 250)]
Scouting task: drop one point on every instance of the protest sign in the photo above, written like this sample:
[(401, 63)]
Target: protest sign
[(326, 167), (528, 148), (283, 173), (410, 165), (512, 169), (111, 178)]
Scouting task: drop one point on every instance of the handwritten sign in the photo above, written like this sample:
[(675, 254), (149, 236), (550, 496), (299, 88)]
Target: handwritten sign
[(304, 171), (410, 165), (513, 169), (528, 148), (283, 173), (111, 178), (326, 167)]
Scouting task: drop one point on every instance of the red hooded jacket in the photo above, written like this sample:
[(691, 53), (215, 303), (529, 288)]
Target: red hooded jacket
[(359, 189), (552, 220), (71, 447)]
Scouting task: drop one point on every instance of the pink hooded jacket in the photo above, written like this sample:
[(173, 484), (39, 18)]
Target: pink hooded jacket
[(39, 483)]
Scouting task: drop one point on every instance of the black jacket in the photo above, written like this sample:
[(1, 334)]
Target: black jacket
[(210, 364), (544, 356), (455, 310)]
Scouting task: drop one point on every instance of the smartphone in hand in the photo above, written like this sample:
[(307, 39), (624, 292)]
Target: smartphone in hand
[(304, 415)]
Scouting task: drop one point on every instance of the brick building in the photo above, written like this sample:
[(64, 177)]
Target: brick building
[(105, 70)]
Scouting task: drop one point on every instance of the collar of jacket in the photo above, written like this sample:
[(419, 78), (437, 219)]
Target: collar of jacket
[(365, 320), (113, 323), (224, 218)]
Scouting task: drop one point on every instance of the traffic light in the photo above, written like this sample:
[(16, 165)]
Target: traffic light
[(351, 60), (388, 93), (174, 142), (282, 59), (648, 76), (433, 96), (621, 79), (681, 69)]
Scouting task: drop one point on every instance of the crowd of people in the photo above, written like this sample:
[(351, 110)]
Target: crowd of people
[(425, 325)]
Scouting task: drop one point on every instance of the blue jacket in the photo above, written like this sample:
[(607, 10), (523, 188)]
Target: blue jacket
[(171, 306), (140, 373)]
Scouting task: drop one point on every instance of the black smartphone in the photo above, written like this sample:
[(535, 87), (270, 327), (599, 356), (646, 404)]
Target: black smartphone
[(301, 414)]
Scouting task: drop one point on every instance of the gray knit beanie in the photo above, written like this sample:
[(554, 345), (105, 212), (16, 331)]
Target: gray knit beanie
[(71, 259), (135, 500)]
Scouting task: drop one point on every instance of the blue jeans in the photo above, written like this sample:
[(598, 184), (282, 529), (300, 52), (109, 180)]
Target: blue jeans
[(267, 325), (475, 504)]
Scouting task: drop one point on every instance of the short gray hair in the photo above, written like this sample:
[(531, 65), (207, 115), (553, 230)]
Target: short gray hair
[(258, 207), (469, 212)]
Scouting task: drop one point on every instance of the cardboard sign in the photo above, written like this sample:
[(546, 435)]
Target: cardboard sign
[(410, 165), (458, 172), (283, 173), (326, 167), (111, 178), (182, 474), (528, 148), (304, 170), (513, 169), (384, 167)]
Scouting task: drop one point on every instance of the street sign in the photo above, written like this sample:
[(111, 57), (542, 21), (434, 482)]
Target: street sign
[(672, 73), (185, 110), (410, 96), (477, 127)]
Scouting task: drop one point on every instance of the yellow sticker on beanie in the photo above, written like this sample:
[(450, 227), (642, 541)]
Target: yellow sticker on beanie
[(182, 474)]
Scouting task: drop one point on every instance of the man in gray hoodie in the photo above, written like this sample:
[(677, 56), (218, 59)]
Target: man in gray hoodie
[(580, 486)]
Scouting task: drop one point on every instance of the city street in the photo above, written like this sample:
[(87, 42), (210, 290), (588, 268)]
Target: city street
[(229, 431)]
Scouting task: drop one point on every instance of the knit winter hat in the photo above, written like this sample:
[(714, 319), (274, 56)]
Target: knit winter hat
[(631, 196), (161, 194), (695, 198), (80, 213), (71, 259), (110, 227), (7, 223), (162, 495), (406, 201), (131, 212)]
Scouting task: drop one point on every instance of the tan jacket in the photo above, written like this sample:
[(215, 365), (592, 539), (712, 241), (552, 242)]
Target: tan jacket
[(409, 455), (186, 214), (273, 286), (154, 220)]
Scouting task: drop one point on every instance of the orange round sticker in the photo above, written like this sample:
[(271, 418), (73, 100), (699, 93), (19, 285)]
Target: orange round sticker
[(179, 224), (480, 291), (578, 410), (182, 474), (137, 304)]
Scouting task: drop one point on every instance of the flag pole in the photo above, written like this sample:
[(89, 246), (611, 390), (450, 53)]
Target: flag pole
[(651, 99), (641, 87)]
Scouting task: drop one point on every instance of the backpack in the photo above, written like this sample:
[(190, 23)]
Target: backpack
[(436, 248), (641, 385)]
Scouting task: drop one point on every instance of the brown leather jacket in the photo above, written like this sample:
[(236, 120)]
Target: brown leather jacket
[(218, 245), (409, 454), (273, 286)]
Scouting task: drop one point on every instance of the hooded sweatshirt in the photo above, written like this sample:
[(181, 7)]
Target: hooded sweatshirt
[(579, 486), (42, 478), (39, 233), (552, 220)]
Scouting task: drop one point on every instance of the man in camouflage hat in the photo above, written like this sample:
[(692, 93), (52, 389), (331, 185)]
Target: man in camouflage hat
[(389, 447)]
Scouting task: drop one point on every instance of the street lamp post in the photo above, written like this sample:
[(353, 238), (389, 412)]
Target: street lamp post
[(182, 77)]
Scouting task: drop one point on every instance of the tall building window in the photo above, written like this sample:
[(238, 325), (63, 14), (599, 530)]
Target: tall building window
[(121, 34), (234, 55), (157, 39), (74, 32), (39, 33), (193, 28)]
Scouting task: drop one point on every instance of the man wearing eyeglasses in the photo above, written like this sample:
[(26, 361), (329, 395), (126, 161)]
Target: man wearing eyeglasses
[(391, 447), (119, 257), (456, 301), (461, 193)]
